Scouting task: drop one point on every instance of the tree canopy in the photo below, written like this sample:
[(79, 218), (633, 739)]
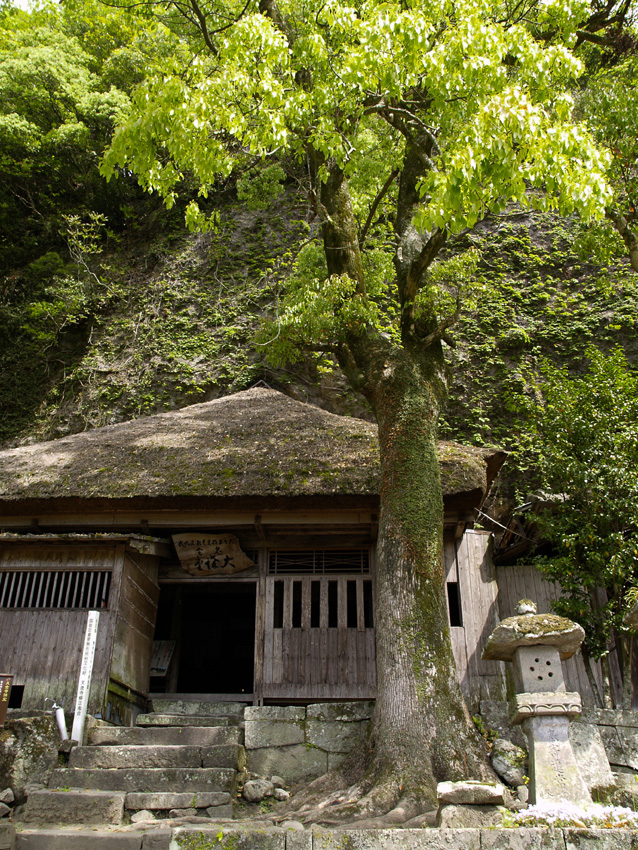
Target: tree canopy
[(66, 71), (610, 104), (484, 96), (406, 124)]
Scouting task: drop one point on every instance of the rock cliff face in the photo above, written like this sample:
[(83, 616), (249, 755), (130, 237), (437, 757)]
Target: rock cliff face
[(173, 320)]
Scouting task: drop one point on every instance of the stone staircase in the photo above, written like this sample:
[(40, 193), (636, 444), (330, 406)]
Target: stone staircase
[(181, 760)]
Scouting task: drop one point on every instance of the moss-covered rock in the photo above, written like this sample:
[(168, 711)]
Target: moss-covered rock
[(533, 630), (28, 752)]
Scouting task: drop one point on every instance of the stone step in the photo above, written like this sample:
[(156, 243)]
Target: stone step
[(7, 835), (79, 807), (145, 779), (135, 757), (85, 839), (229, 755), (195, 736), (198, 707), (146, 720), (163, 801)]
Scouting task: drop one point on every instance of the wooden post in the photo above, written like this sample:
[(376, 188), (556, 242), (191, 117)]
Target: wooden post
[(86, 670)]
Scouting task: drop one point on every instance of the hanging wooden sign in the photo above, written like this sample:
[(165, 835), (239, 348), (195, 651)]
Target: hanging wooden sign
[(6, 680), (202, 554)]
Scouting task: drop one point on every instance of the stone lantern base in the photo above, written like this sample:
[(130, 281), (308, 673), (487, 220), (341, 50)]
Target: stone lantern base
[(554, 774)]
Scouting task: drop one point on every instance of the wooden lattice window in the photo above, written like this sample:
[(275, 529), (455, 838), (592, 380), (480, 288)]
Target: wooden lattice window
[(84, 589), (320, 562)]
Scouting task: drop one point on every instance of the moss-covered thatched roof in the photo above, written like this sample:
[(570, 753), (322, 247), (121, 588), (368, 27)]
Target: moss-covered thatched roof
[(254, 443)]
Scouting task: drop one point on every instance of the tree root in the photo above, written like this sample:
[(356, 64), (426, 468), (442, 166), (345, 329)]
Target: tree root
[(351, 794), (362, 791)]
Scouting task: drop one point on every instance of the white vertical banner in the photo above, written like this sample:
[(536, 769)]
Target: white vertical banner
[(86, 671)]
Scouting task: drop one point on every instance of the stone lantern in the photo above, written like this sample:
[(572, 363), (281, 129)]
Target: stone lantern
[(536, 644)]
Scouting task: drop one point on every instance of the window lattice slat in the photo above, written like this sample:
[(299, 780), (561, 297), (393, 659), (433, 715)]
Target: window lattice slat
[(320, 562), (54, 588)]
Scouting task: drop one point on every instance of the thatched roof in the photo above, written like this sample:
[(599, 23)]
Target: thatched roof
[(254, 443)]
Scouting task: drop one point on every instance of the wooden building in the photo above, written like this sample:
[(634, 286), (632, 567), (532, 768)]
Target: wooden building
[(229, 548)]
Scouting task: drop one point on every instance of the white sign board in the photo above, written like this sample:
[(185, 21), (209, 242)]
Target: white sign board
[(86, 671), (162, 654)]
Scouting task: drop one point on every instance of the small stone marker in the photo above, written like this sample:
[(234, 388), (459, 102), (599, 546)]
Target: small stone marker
[(86, 671), (469, 803), (470, 793), (535, 644)]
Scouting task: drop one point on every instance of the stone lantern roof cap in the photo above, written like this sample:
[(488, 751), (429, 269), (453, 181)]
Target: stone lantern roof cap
[(533, 630)]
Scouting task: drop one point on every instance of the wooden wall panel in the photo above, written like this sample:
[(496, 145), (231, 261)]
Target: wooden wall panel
[(524, 581), (43, 647), (135, 622), (302, 661), (56, 556), (468, 562)]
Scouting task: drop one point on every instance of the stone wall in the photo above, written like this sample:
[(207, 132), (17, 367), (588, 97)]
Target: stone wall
[(221, 837), (299, 743), (619, 731)]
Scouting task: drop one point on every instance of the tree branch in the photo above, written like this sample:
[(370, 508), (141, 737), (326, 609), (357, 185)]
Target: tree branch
[(380, 195), (319, 348), (440, 331), (593, 38), (203, 28), (397, 116), (626, 234), (270, 9), (425, 257), (350, 367)]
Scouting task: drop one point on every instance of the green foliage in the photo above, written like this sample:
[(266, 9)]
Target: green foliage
[(319, 308), (489, 735), (536, 296), (56, 115), (610, 104), (450, 282), (582, 433), (260, 189), (207, 841), (493, 94), (514, 131), (65, 70)]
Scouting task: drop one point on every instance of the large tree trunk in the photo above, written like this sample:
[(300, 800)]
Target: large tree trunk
[(422, 730)]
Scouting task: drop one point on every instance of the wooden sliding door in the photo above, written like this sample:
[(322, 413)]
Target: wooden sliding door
[(319, 640)]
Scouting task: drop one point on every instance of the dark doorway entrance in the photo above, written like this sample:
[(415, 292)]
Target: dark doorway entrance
[(214, 628)]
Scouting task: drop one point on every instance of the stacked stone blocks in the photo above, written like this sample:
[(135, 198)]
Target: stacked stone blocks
[(300, 743)]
